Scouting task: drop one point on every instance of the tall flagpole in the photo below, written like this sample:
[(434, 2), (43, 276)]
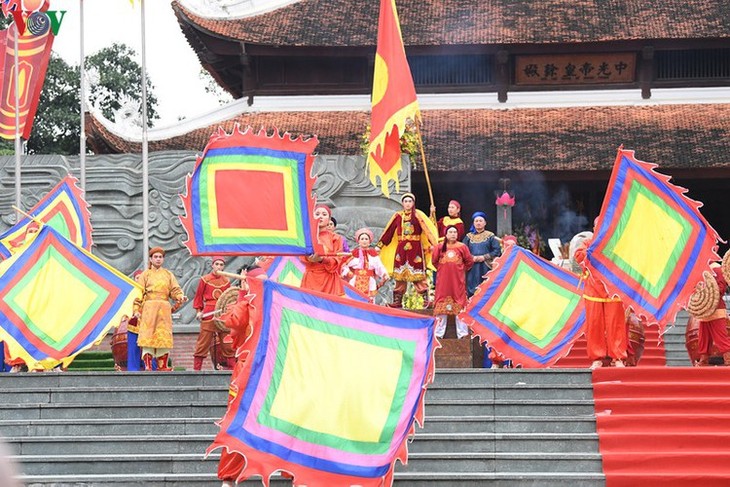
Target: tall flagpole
[(18, 146), (82, 94), (145, 168)]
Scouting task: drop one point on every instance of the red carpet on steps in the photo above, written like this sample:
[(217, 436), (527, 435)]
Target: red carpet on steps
[(654, 353), (665, 426)]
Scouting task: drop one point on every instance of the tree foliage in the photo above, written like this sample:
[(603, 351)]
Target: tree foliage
[(115, 79), (118, 78)]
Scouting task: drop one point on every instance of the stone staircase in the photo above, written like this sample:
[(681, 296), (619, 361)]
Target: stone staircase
[(674, 342), (505, 427)]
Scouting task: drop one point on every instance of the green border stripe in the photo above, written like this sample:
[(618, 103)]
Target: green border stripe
[(609, 251), (361, 447), (573, 301), (245, 160), (52, 254)]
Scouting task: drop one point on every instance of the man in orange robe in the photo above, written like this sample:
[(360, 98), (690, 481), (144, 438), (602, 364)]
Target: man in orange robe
[(605, 318), (154, 311), (322, 272)]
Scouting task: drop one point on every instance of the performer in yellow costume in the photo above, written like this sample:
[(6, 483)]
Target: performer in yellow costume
[(155, 312)]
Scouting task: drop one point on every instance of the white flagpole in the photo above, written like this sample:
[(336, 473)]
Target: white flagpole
[(145, 168), (18, 146), (82, 94)]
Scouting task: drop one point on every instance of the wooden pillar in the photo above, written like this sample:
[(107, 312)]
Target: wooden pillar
[(502, 76), (646, 75)]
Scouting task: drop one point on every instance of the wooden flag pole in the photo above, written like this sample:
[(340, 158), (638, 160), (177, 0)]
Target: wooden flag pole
[(28, 216), (231, 274), (423, 158)]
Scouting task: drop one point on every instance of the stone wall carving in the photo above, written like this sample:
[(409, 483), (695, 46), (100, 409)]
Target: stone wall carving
[(114, 191)]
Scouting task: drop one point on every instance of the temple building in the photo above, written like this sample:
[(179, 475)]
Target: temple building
[(538, 93)]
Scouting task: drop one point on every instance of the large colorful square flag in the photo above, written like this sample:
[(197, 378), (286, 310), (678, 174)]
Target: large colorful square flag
[(57, 300), (651, 243), (250, 194), (528, 309), (331, 390), (63, 208)]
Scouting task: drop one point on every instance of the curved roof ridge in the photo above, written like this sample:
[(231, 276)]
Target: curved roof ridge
[(232, 9), (451, 101)]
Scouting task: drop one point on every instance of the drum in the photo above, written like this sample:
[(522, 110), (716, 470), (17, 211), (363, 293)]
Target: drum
[(692, 339), (229, 296), (119, 346), (636, 338)]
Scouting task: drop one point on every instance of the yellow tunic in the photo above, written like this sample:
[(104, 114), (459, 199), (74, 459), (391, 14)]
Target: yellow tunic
[(155, 322)]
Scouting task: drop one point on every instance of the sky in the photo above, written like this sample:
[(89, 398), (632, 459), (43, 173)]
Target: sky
[(172, 65)]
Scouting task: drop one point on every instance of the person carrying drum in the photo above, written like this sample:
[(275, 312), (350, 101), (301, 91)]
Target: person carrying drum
[(210, 288)]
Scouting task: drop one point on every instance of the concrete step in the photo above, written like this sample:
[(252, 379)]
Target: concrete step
[(424, 442), (457, 462), (199, 409), (116, 426), (138, 480), (114, 380), (429, 479), (516, 479), (442, 407), (172, 394), (505, 407), (117, 380), (461, 462), (505, 442), (487, 377), (516, 391), (196, 426)]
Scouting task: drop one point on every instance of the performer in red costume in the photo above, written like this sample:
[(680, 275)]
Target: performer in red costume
[(605, 318), (452, 260), (210, 288), (713, 329), (322, 272), (406, 245), (453, 218), (239, 319)]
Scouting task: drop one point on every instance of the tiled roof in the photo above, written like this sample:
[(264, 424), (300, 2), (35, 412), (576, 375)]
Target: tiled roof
[(575, 138), (479, 22)]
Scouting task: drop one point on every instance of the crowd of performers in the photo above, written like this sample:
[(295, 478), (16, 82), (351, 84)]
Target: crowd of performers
[(410, 244)]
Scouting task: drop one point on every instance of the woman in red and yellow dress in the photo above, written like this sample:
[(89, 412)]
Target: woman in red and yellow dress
[(364, 270), (452, 260)]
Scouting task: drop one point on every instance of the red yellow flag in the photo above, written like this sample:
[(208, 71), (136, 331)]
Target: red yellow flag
[(34, 53), (393, 102)]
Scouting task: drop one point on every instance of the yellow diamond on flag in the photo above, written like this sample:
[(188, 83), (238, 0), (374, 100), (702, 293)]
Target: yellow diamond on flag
[(529, 295), (44, 308), (648, 222), (348, 402)]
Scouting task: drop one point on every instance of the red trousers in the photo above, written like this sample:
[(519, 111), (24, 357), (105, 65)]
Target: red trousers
[(206, 338), (606, 330), (713, 332)]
